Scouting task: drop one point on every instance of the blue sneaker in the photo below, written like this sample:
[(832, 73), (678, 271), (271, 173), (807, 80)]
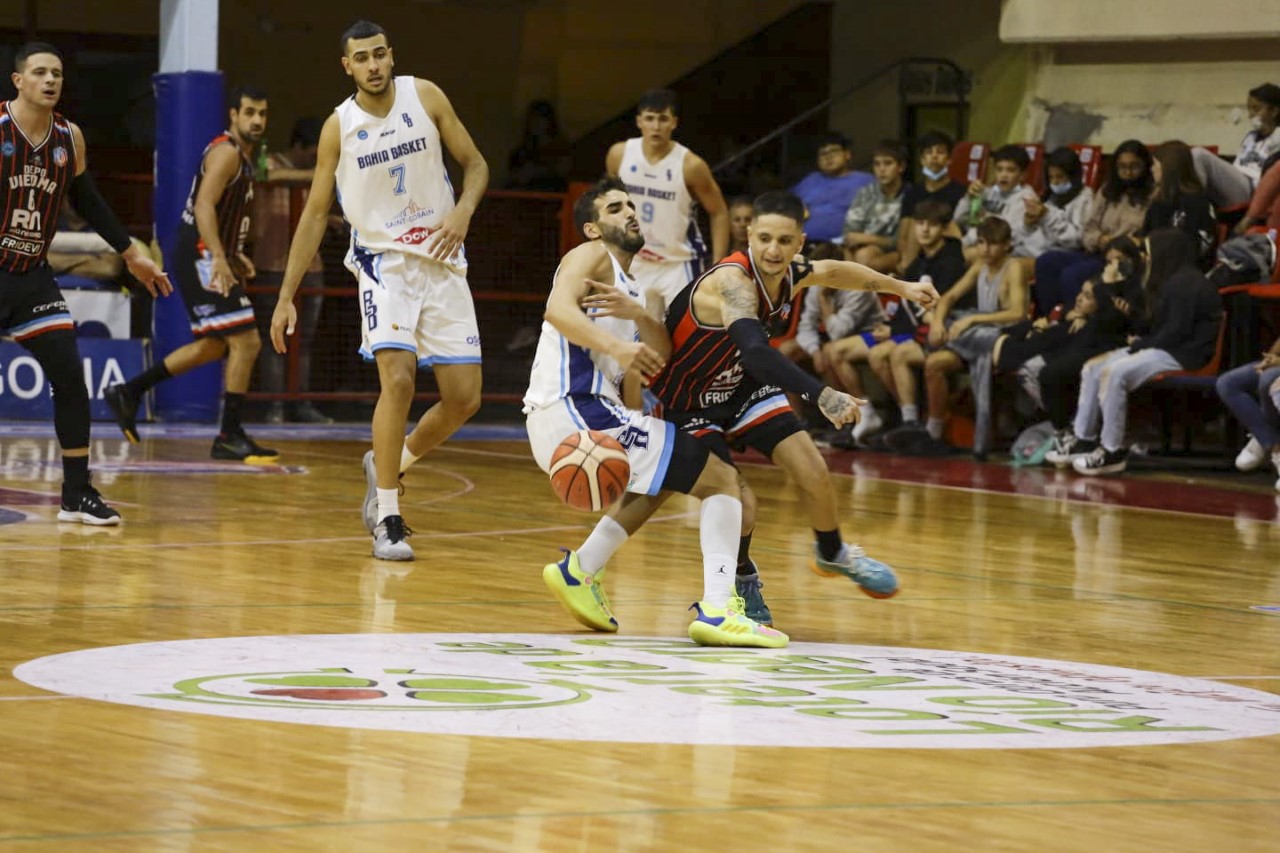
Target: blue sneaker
[(872, 576), (748, 587)]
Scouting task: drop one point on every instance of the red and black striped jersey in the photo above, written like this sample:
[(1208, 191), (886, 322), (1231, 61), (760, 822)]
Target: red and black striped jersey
[(232, 207), (33, 178), (705, 367)]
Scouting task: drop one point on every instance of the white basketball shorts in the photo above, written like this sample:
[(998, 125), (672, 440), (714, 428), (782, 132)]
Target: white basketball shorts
[(413, 303), (665, 278), (649, 441)]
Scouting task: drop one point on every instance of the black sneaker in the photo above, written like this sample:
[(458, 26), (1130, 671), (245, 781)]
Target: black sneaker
[(85, 506), (1067, 448), (898, 439), (748, 586), (926, 445), (124, 405), (1101, 461), (241, 448)]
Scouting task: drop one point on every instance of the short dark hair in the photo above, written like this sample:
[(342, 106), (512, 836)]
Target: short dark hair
[(739, 201), (1268, 93), (932, 210), (306, 132), (362, 30), (253, 93), (658, 100), (834, 137), (1066, 159), (779, 203), (584, 209), (935, 137), (1015, 154), (29, 50), (891, 148), (993, 229)]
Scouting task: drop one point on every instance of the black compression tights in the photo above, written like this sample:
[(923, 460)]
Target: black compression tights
[(59, 357)]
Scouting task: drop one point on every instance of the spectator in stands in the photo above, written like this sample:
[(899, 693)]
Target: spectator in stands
[(270, 252), (739, 220), (541, 161), (1004, 198), (1118, 211), (871, 225), (935, 185), (1264, 206), (1231, 185), (1048, 355), (1250, 392), (1179, 200), (966, 338), (828, 191), (939, 259), (1185, 313), (1055, 220), (837, 329)]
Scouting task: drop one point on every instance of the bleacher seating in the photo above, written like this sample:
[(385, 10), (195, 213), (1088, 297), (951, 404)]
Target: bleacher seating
[(969, 162), (1090, 164)]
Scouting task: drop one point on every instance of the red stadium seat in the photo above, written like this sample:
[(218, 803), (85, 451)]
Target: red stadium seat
[(969, 162), (1034, 175), (1090, 164)]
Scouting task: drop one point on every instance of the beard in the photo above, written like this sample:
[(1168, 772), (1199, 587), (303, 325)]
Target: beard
[(625, 240), (375, 90)]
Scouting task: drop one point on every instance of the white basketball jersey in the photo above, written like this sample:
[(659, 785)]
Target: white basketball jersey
[(562, 369), (663, 203), (391, 180)]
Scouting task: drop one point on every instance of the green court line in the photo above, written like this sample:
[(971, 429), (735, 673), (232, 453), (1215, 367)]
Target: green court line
[(652, 812)]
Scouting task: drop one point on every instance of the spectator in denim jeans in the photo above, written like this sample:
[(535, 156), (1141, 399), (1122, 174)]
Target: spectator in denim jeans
[(1250, 392)]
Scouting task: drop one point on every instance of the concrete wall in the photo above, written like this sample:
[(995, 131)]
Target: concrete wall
[(1055, 21)]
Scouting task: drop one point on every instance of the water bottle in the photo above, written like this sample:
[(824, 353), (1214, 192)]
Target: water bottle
[(975, 210), (260, 172)]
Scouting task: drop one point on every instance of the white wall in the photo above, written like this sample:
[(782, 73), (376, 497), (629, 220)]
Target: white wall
[(1057, 21)]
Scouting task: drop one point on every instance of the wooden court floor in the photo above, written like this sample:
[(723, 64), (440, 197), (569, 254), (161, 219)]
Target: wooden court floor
[(210, 553)]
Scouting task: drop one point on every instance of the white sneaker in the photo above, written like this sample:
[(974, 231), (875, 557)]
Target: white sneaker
[(869, 422), (1252, 457), (390, 539)]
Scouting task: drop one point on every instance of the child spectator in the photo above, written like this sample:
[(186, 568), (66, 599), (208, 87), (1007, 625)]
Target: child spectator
[(966, 338), (935, 185), (1231, 184), (871, 225), (1185, 313), (1180, 201), (1002, 199), (828, 191), (940, 259), (1118, 211), (1054, 221), (1252, 393)]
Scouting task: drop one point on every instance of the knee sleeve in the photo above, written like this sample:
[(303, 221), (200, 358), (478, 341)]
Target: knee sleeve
[(59, 357)]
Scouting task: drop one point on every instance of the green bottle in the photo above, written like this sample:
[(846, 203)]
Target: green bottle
[(261, 170)]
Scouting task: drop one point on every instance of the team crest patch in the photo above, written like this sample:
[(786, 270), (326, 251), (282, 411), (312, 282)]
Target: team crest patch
[(363, 134), (60, 156), (7, 149)]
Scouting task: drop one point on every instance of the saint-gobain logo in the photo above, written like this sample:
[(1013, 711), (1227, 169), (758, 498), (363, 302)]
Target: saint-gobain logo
[(645, 690)]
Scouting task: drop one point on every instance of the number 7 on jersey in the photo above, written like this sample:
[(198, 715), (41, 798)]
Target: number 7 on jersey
[(397, 172)]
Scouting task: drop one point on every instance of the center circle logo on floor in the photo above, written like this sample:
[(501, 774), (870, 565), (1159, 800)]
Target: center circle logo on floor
[(648, 690)]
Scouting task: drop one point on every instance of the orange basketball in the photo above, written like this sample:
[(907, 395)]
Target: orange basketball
[(589, 470)]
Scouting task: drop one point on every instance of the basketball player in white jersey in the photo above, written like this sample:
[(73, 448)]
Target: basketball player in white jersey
[(381, 148), (597, 329), (665, 179)]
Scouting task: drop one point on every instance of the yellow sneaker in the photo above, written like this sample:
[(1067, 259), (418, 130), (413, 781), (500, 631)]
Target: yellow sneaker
[(581, 594), (729, 626)]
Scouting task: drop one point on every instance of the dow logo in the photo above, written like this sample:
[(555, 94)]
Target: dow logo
[(645, 690)]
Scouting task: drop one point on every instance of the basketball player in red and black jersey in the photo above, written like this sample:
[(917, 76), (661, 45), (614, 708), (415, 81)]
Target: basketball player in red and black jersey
[(211, 269), (723, 381), (42, 159)]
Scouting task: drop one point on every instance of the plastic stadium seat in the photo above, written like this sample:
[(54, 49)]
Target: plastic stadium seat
[(1090, 164), (969, 162)]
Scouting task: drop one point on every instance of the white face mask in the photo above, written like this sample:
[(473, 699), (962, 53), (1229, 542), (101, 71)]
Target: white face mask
[(932, 174), (1060, 189), (1256, 122)]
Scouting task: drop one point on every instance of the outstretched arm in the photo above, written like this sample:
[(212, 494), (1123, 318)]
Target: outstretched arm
[(847, 275)]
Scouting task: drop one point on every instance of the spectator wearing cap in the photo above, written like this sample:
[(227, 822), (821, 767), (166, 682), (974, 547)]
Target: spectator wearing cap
[(1232, 184)]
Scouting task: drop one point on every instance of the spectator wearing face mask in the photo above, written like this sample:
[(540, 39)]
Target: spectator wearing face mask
[(935, 186), (1118, 210), (1054, 221), (1232, 184)]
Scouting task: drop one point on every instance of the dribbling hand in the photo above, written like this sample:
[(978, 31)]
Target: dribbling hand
[(283, 321)]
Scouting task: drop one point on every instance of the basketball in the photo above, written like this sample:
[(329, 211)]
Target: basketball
[(589, 470)]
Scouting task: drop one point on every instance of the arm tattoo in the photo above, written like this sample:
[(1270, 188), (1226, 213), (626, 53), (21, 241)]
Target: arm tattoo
[(738, 302)]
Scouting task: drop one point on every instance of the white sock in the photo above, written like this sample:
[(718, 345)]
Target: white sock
[(935, 427), (605, 539), (910, 413), (407, 458), (388, 503), (718, 529)]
